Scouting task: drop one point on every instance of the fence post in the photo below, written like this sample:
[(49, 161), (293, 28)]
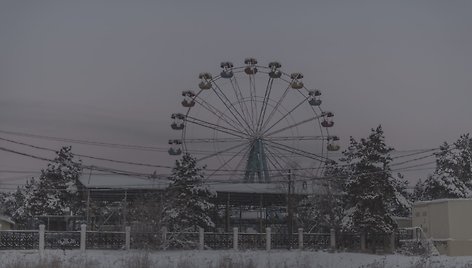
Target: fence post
[(41, 239), (235, 238), (332, 236), (300, 238), (392, 242), (268, 238), (83, 233), (164, 236), (201, 238), (363, 246), (127, 237)]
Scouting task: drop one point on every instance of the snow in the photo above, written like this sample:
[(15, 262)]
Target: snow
[(228, 258)]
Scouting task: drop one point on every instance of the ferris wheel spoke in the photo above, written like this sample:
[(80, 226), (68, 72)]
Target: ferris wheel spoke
[(287, 114), (274, 110), (214, 140), (297, 151), (251, 99), (239, 96), (228, 105), (240, 100), (236, 131), (298, 138), (219, 114), (292, 126), (265, 101), (236, 120), (252, 89), (274, 160), (241, 161), (278, 153), (229, 160), (222, 151), (215, 127)]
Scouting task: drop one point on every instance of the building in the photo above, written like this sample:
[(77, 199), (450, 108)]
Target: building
[(448, 222), (249, 206)]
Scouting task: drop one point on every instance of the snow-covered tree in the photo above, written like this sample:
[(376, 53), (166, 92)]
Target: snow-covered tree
[(56, 191), (14, 204), (187, 203), (372, 194), (187, 200), (452, 177), (324, 211), (438, 186)]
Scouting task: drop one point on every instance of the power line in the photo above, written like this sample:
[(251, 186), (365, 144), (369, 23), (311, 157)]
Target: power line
[(87, 156), (86, 142), (224, 172)]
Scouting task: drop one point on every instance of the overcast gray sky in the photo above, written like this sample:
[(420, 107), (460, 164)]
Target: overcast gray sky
[(113, 70)]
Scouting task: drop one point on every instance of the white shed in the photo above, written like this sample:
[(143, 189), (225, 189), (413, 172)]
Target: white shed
[(448, 222)]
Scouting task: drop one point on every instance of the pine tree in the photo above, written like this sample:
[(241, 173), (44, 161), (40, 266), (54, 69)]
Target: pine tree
[(14, 204), (56, 191), (372, 194), (452, 177), (187, 200)]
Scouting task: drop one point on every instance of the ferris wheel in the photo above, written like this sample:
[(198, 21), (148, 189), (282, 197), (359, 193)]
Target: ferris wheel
[(253, 122)]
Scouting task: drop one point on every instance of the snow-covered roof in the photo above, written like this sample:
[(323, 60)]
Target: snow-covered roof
[(445, 200), (115, 181), (106, 181), (261, 188)]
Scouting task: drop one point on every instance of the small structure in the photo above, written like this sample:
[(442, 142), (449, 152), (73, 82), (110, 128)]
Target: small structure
[(448, 223), (6, 223), (245, 205)]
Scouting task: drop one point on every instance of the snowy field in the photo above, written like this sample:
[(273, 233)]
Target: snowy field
[(233, 259)]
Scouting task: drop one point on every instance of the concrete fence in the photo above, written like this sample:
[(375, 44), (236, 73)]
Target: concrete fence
[(236, 240)]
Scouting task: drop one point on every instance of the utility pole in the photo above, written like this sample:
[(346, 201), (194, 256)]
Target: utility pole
[(88, 199), (125, 208), (88, 207), (289, 204)]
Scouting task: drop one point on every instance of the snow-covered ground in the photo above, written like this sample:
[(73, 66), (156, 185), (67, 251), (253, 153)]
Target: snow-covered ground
[(188, 259)]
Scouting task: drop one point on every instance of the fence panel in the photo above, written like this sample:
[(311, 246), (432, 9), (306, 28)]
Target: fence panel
[(182, 240), (251, 241), (105, 240), (348, 241), (219, 240), (19, 239), (316, 240), (146, 240), (62, 240), (284, 241)]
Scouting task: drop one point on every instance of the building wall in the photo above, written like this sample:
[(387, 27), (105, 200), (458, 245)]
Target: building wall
[(460, 223), (433, 218), (459, 248), (438, 220)]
